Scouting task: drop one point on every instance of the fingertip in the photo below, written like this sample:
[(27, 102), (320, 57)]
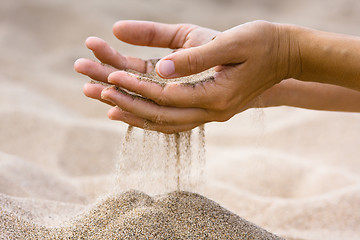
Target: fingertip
[(89, 41), (77, 64), (129, 30), (119, 77), (93, 90), (92, 42), (117, 27), (112, 78), (90, 38), (165, 68), (113, 113), (87, 86), (87, 89), (80, 64), (118, 114)]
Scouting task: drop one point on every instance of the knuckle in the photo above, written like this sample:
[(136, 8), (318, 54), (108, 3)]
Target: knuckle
[(181, 33), (161, 98), (195, 62), (150, 35)]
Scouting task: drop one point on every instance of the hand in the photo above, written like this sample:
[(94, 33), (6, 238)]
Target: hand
[(249, 59)]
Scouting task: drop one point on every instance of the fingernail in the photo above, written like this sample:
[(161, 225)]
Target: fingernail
[(111, 78), (166, 68), (105, 94)]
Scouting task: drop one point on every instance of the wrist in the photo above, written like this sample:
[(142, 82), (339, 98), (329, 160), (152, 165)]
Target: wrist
[(289, 55), (325, 57)]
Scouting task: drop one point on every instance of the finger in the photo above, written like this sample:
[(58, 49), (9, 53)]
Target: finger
[(133, 120), (92, 90), (108, 55), (173, 94), (153, 34), (94, 70), (155, 113), (193, 60)]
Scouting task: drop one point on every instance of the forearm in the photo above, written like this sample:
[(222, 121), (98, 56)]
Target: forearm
[(326, 57), (312, 95)]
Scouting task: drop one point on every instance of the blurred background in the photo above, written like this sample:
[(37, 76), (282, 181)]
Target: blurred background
[(41, 39), (257, 159)]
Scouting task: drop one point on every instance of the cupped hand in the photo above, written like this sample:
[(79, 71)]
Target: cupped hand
[(248, 59)]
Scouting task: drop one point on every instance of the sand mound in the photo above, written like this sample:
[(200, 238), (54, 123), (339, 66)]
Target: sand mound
[(135, 215)]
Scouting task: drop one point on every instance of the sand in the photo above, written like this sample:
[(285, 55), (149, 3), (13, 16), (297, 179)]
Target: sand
[(158, 163), (293, 172), (135, 215), (152, 76)]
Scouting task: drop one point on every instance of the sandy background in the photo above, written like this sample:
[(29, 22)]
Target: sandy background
[(294, 172)]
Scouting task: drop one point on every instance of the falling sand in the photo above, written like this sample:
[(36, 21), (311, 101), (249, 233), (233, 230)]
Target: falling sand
[(158, 163), (169, 167)]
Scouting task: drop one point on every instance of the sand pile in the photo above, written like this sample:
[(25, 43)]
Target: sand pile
[(135, 215)]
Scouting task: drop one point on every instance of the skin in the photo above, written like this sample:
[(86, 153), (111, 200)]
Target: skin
[(281, 64)]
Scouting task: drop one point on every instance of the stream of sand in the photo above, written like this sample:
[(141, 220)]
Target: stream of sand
[(156, 163)]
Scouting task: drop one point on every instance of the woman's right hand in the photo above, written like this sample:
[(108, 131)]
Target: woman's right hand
[(248, 59)]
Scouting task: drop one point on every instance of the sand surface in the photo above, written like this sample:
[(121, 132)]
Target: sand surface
[(293, 172)]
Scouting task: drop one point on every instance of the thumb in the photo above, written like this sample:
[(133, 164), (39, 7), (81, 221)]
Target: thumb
[(196, 59)]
